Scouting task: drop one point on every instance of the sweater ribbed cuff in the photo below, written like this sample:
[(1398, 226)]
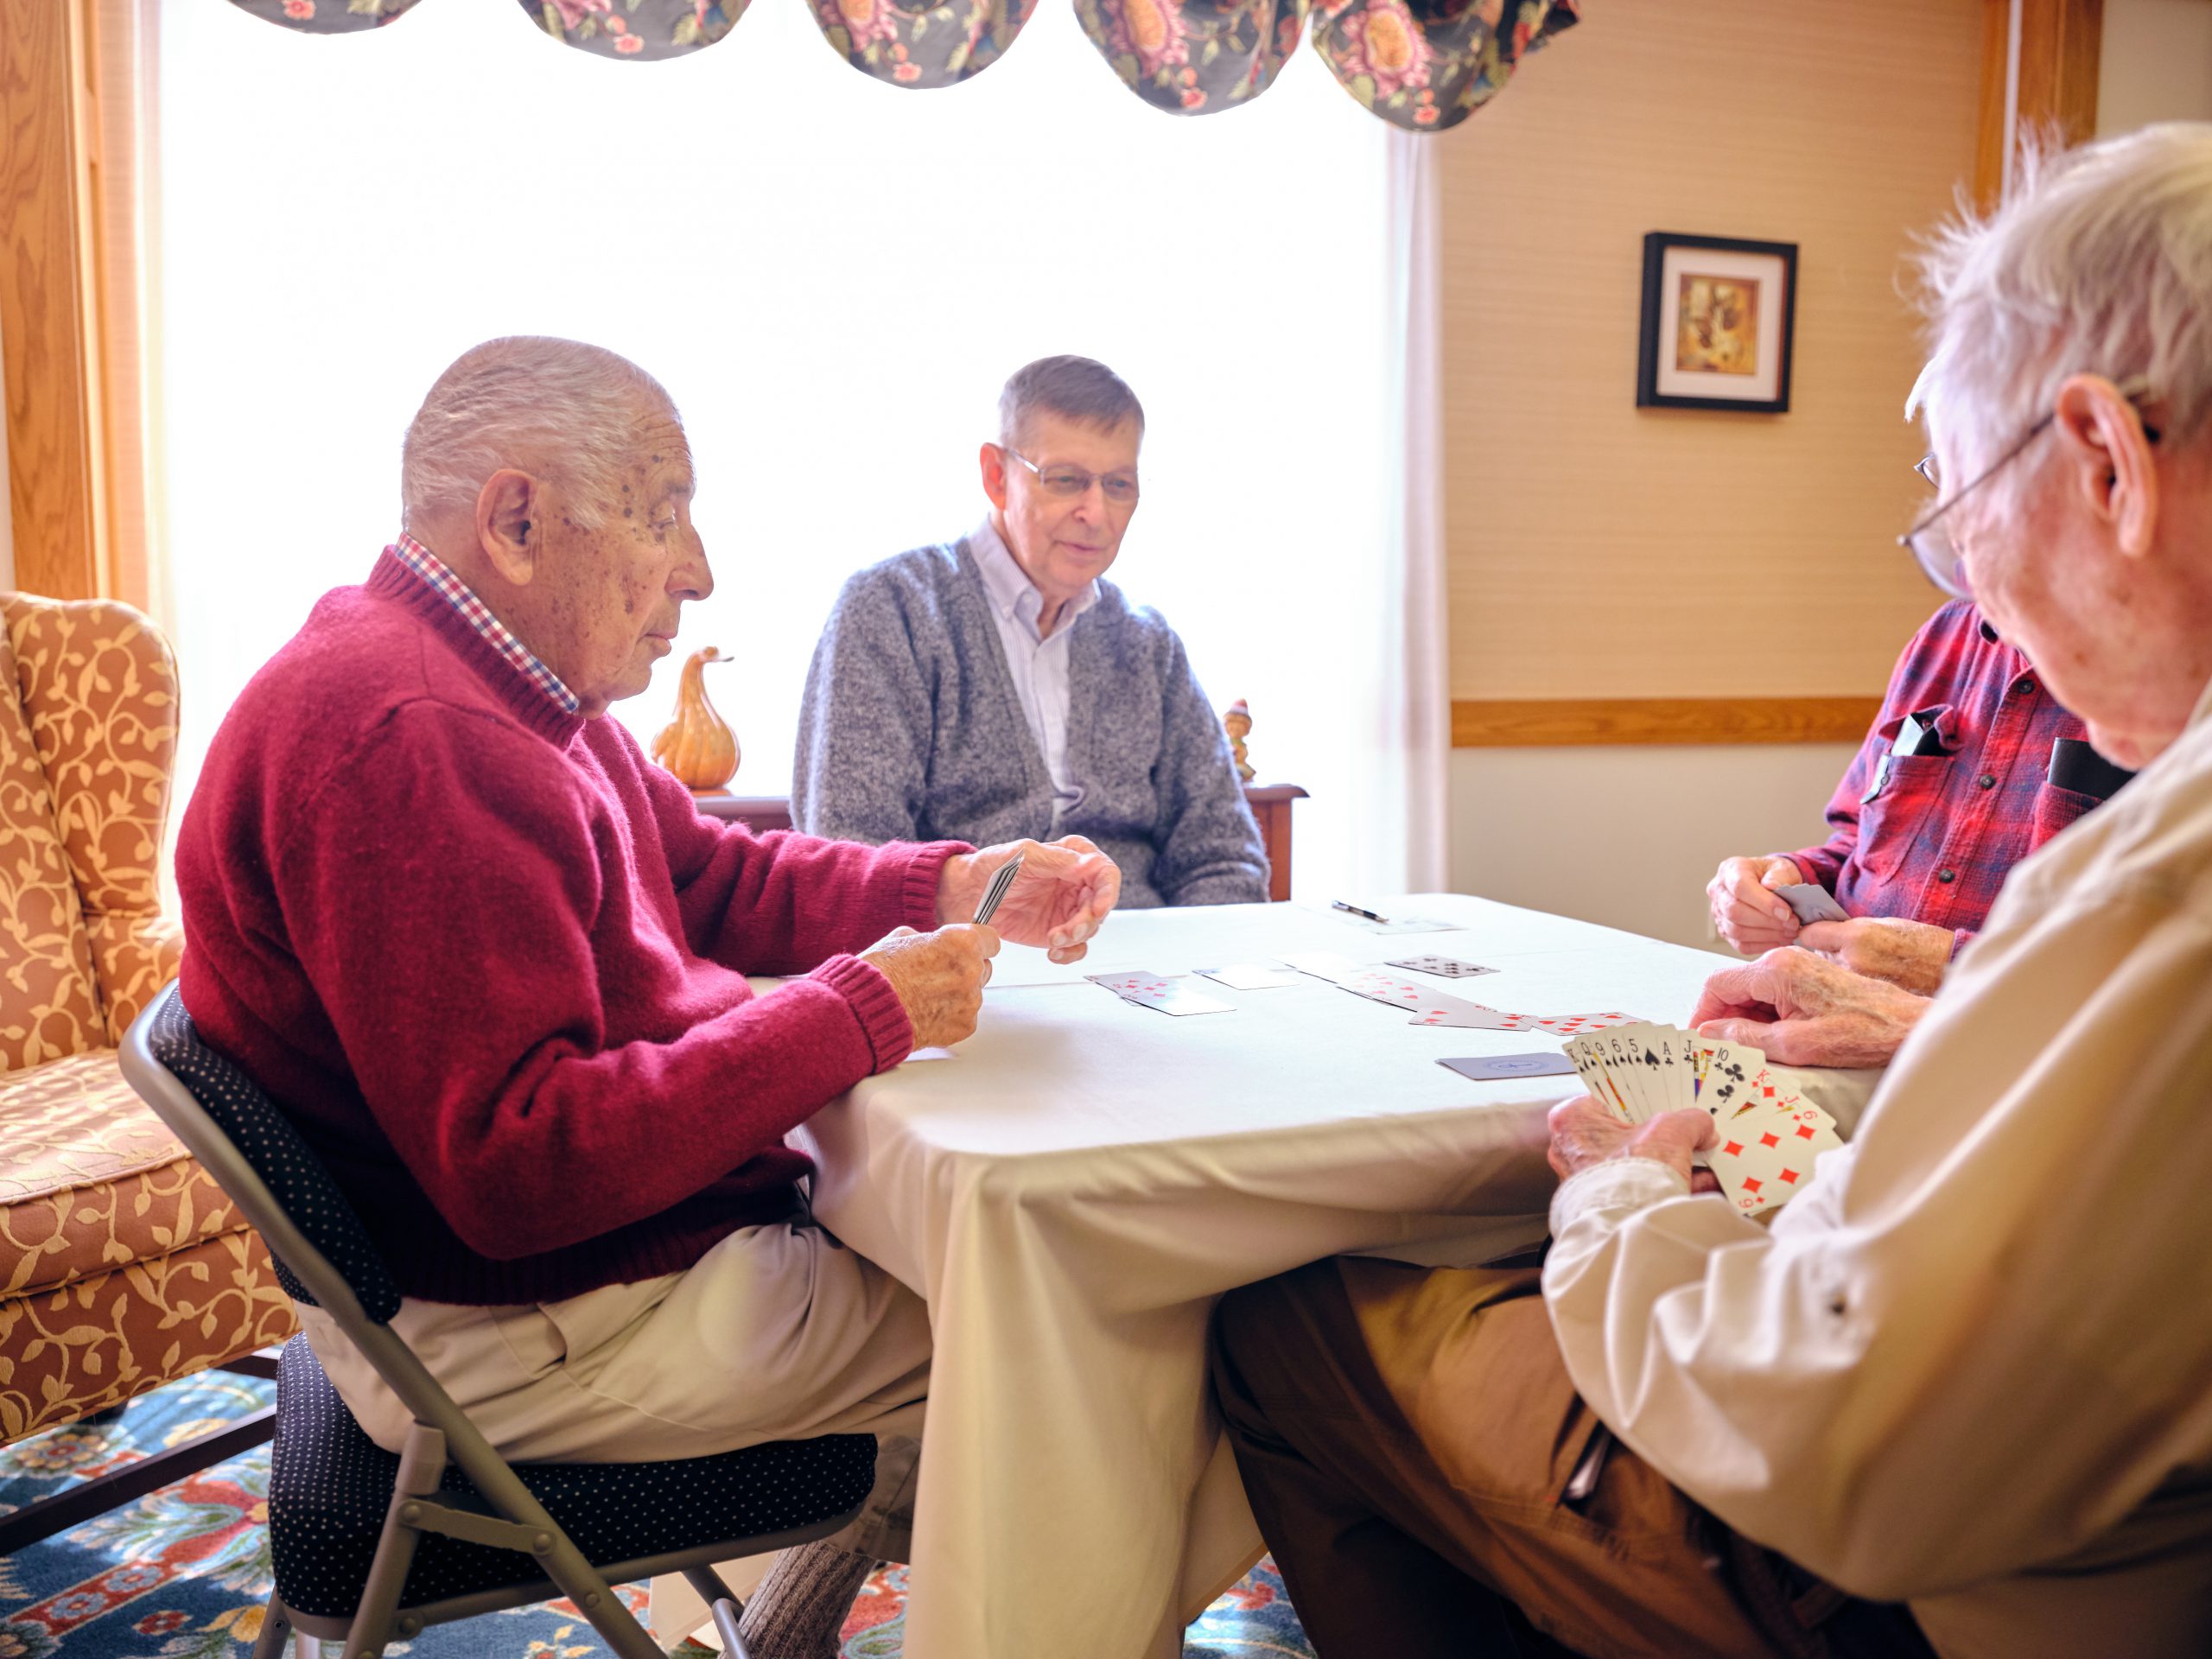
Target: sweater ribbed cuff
[(923, 876), (882, 1016)]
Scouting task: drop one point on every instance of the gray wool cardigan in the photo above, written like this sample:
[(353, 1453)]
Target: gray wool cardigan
[(911, 730)]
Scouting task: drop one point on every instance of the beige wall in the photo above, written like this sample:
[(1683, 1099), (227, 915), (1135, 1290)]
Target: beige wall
[(1630, 838), (2156, 63), (1601, 550)]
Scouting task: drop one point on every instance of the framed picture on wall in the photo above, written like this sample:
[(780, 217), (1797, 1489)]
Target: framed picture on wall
[(1719, 315)]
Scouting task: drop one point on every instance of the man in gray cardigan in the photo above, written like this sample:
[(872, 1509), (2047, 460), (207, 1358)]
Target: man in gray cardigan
[(998, 686)]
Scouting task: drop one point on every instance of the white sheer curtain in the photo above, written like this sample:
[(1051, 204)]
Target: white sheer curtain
[(833, 277), (1414, 709)]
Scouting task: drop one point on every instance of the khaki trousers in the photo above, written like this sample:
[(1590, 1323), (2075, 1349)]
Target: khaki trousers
[(1413, 1450), (778, 1332)]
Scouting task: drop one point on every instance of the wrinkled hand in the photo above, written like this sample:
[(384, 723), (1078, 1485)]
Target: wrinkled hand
[(1583, 1133), (939, 978), (1067, 888), (1746, 910), (1799, 1008), (1909, 954)]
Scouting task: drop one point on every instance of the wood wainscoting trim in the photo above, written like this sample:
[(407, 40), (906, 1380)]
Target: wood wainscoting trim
[(1532, 724)]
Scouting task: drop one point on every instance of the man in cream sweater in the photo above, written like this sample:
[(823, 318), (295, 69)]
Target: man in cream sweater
[(1967, 1373)]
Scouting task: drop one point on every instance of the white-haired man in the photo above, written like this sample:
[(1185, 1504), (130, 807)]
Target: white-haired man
[(493, 963), (1969, 1368)]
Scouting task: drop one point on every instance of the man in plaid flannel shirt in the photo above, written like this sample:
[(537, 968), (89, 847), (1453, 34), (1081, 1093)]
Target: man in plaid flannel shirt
[(1970, 766)]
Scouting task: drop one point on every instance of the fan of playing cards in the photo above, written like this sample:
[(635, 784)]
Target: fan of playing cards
[(1770, 1136)]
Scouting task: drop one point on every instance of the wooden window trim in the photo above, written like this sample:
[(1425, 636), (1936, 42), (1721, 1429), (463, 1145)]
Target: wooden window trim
[(70, 294), (2049, 87)]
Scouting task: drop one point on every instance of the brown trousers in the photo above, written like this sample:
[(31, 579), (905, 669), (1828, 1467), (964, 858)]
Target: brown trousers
[(1414, 1450)]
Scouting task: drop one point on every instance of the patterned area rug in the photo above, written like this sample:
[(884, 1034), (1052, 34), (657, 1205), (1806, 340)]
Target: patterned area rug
[(184, 1574)]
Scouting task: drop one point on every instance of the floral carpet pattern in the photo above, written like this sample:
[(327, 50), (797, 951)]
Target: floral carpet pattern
[(184, 1574)]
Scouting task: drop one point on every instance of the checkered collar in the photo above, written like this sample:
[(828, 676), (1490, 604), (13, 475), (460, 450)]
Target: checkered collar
[(458, 593)]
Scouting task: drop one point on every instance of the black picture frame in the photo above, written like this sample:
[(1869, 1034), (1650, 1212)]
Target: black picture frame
[(1657, 244)]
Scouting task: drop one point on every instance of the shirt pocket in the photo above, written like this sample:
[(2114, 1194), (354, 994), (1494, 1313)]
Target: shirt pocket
[(1890, 820), (2055, 809)]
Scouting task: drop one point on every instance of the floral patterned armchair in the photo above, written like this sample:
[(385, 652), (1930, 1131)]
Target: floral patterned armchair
[(122, 1265)]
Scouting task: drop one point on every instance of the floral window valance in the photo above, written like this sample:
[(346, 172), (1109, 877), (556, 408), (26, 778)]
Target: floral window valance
[(1423, 65)]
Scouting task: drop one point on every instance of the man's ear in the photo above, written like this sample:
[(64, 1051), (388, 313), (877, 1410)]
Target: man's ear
[(2110, 458), (506, 525), (992, 458)]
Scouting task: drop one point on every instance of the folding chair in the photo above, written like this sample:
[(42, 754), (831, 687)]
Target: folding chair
[(375, 1547)]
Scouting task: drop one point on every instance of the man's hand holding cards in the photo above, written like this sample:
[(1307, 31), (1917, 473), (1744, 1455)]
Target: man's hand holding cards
[(1767, 1135)]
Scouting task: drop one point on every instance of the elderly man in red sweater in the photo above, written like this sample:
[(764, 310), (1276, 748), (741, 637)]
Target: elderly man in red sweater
[(493, 963)]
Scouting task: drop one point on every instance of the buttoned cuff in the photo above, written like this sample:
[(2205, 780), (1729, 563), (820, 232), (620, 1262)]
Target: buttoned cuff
[(1612, 1191)]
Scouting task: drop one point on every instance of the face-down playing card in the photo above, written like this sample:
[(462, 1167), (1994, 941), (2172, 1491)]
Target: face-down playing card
[(1812, 903)]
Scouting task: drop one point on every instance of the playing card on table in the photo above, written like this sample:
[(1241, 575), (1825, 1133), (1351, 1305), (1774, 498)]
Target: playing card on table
[(1442, 967), (1250, 975), (1150, 991), (1325, 965), (1768, 1158), (1385, 987), (1436, 1010)]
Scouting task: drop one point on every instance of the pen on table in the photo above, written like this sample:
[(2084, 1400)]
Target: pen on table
[(1339, 903)]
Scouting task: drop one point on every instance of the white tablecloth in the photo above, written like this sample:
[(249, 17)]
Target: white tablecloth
[(1074, 1187)]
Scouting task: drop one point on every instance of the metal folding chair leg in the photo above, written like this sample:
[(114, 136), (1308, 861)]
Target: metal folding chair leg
[(275, 1626), (421, 1464), (725, 1608)]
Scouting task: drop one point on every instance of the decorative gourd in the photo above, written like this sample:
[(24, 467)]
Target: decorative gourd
[(697, 746)]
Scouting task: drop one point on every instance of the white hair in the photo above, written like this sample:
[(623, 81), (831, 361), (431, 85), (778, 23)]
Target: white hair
[(2098, 261), (558, 410)]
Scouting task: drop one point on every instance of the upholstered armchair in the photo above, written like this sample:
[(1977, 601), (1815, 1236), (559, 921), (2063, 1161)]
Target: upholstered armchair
[(122, 1265)]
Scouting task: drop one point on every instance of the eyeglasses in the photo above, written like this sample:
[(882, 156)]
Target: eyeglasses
[(1931, 540), (1120, 488)]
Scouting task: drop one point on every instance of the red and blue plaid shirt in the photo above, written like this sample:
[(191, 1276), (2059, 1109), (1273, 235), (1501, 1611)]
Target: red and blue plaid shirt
[(1934, 839), (458, 593)]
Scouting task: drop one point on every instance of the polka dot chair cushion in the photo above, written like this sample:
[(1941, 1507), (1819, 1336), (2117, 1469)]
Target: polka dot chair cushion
[(302, 1187), (329, 1485)]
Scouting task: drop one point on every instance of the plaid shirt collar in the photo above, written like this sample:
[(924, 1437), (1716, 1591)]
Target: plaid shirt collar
[(456, 593)]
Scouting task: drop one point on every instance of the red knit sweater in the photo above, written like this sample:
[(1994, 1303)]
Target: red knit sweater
[(491, 961)]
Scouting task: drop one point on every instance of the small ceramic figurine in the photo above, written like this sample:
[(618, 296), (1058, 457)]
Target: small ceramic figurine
[(697, 746), (1237, 722)]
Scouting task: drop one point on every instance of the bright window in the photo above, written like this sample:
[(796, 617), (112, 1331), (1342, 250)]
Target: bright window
[(833, 277)]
